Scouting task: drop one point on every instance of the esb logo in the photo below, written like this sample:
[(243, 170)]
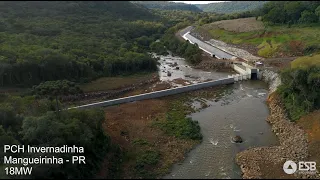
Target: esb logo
[(291, 167)]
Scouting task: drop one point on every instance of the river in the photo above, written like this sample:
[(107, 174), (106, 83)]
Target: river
[(185, 71), (242, 111)]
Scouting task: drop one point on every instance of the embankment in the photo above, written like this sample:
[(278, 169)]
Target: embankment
[(270, 77), (158, 94), (267, 162)]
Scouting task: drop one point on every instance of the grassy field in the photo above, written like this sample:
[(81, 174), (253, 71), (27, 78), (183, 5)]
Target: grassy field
[(240, 25), (306, 61), (271, 41), (109, 83)]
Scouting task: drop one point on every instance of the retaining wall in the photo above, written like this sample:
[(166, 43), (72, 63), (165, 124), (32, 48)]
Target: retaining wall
[(207, 47), (157, 94), (239, 69), (270, 77)]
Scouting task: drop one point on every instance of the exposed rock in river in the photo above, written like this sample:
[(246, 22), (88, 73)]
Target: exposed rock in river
[(237, 139)]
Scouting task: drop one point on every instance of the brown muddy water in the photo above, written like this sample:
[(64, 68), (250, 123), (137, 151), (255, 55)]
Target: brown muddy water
[(241, 110)]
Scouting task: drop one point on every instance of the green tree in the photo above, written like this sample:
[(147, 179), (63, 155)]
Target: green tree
[(293, 10), (54, 89), (82, 128), (308, 17), (301, 93), (317, 12), (275, 15)]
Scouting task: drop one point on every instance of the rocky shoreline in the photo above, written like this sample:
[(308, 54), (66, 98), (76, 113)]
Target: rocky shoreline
[(266, 162)]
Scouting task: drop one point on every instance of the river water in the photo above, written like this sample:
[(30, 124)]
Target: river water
[(242, 111), (185, 71)]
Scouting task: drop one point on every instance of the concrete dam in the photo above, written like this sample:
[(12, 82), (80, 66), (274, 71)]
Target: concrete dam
[(245, 71)]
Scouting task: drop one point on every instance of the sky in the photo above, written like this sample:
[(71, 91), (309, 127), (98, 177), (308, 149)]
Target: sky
[(198, 2)]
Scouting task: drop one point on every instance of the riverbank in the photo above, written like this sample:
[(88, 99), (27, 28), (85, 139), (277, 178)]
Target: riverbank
[(155, 134), (267, 162), (220, 121)]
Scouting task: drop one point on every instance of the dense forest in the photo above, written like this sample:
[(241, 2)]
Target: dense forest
[(291, 12), (167, 5), (31, 121), (81, 40), (78, 41), (52, 45), (231, 6)]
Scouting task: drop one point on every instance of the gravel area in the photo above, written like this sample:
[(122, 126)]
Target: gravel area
[(240, 25), (229, 48), (235, 51)]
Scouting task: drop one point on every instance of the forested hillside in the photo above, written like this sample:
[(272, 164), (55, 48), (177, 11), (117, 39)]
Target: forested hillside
[(78, 41), (167, 5), (48, 44), (42, 41), (231, 6), (25, 121), (291, 12)]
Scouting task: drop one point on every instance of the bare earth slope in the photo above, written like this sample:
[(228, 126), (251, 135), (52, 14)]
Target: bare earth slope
[(240, 25)]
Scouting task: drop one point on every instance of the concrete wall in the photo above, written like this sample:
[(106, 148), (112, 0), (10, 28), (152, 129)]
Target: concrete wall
[(207, 47), (271, 77), (238, 77), (250, 69), (239, 69), (157, 94)]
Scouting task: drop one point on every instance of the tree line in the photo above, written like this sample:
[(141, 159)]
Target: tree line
[(167, 5), (231, 7), (201, 18), (291, 12)]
